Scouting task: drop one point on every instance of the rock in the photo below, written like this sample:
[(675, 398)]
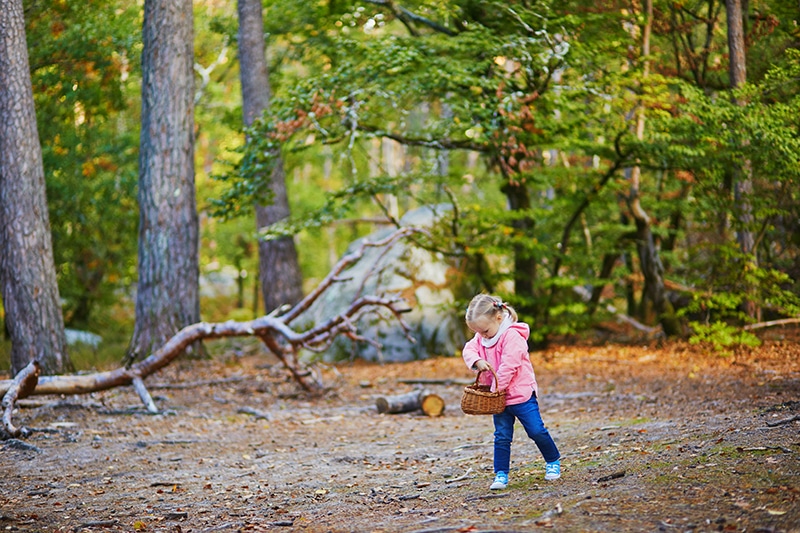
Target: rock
[(75, 336), (423, 279)]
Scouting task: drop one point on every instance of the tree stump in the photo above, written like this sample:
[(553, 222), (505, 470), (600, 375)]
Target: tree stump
[(430, 404)]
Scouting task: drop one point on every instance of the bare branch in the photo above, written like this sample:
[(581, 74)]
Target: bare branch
[(205, 72), (339, 267), (440, 144), (273, 330), (769, 324), (405, 16), (23, 385)]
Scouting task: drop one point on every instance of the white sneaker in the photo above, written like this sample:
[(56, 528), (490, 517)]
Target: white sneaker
[(500, 481), (552, 471)]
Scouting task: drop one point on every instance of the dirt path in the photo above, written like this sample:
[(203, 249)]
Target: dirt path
[(653, 439)]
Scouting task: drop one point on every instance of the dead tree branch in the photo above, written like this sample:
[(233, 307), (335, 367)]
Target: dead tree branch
[(771, 323), (274, 331), (23, 384)]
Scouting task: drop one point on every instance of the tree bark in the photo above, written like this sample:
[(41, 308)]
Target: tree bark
[(27, 271), (737, 67), (743, 184), (649, 259), (279, 270), (168, 289), (524, 263)]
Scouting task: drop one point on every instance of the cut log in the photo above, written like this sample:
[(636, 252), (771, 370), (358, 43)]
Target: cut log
[(430, 404)]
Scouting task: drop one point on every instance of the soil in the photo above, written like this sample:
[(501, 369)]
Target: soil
[(653, 438)]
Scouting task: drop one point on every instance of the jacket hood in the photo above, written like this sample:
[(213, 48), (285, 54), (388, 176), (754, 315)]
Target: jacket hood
[(522, 328)]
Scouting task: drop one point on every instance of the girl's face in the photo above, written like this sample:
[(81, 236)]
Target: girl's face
[(486, 326)]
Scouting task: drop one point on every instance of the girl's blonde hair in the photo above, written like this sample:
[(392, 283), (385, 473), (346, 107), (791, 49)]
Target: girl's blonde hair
[(488, 306)]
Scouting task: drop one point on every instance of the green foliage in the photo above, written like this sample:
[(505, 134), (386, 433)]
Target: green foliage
[(517, 115), (500, 81), (716, 317), (83, 71), (722, 336)]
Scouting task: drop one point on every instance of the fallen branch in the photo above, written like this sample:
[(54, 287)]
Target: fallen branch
[(274, 330), (201, 383), (765, 448), (260, 415), (615, 475), (23, 384), (488, 497), (784, 421), (769, 324), (16, 444), (621, 317), (466, 475), (97, 523)]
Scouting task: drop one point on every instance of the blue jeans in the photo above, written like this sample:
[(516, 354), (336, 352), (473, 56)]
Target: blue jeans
[(530, 418)]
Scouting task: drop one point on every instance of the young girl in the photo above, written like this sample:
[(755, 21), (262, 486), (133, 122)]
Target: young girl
[(500, 342)]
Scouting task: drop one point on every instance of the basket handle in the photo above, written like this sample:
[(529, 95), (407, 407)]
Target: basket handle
[(478, 377)]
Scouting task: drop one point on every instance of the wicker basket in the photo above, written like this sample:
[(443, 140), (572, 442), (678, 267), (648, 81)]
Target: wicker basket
[(479, 399)]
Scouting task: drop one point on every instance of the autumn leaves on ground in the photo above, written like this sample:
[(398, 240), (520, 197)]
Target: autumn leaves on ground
[(653, 439)]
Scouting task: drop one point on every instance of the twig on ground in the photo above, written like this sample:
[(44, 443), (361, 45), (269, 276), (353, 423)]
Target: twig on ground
[(97, 523), (615, 475), (765, 448), (784, 421), (488, 496), (255, 412), (202, 383), (466, 475), (17, 444)]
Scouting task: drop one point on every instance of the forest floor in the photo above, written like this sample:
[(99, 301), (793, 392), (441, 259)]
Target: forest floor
[(653, 438)]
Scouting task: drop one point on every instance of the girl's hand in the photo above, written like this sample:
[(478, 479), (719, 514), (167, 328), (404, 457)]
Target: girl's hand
[(482, 366)]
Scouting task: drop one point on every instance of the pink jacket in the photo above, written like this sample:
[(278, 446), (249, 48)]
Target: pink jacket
[(510, 360)]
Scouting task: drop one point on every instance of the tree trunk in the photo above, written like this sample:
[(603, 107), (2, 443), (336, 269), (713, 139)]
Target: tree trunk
[(524, 264), (168, 288), (649, 260), (27, 271), (743, 185), (609, 261), (653, 271), (736, 45), (279, 270)]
